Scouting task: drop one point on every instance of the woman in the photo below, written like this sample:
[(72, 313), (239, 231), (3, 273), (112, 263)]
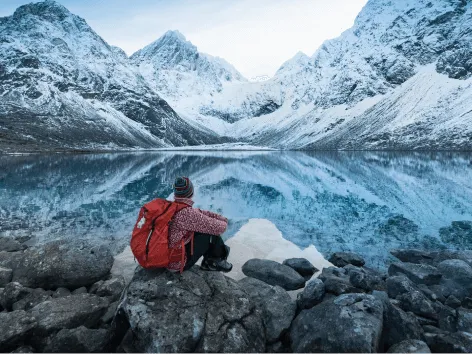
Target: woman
[(206, 228)]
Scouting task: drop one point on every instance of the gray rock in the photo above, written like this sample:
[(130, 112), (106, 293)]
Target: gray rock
[(443, 255), (464, 320), (453, 302), (447, 317), (339, 286), (276, 306), (413, 256), (423, 321), (432, 329), (302, 266), (449, 287), (35, 297), (410, 346), (459, 342), (467, 302), (276, 347), (110, 314), (93, 289), (417, 303), (62, 264), (80, 340), (68, 312), (312, 294), (5, 276), (429, 293), (82, 290), (273, 273), (8, 244), (350, 323), (458, 271), (12, 293), (398, 285), (112, 288), (23, 349), (417, 273), (341, 259), (195, 311), (9, 259), (398, 325), (365, 279), (61, 292), (15, 327)]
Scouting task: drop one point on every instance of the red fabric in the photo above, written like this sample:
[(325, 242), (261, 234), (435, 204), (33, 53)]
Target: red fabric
[(188, 221), (150, 238)]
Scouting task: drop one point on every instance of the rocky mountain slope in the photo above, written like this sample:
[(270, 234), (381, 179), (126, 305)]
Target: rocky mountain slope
[(400, 78), (63, 87)]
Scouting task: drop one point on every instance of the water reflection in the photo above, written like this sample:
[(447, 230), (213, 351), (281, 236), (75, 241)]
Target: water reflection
[(367, 202)]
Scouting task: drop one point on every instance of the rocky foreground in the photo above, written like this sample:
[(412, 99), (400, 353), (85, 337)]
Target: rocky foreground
[(60, 297)]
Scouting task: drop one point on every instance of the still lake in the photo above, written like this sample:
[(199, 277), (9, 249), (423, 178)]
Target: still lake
[(366, 202)]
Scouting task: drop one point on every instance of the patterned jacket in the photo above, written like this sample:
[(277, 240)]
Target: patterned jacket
[(190, 220)]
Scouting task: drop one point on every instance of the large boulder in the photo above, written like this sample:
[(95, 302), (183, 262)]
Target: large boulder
[(459, 342), (413, 256), (79, 340), (410, 346), (398, 325), (341, 259), (5, 276), (63, 264), (365, 278), (312, 294), (276, 306), (302, 266), (195, 311), (458, 271), (68, 312), (464, 320), (273, 273), (349, 323), (15, 327), (418, 273), (12, 293)]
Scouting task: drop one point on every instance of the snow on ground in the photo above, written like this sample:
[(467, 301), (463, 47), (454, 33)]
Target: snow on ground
[(217, 147), (259, 238)]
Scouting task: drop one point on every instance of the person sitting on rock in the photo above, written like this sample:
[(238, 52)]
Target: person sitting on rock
[(206, 228)]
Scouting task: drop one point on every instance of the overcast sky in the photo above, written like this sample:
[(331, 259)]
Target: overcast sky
[(256, 36)]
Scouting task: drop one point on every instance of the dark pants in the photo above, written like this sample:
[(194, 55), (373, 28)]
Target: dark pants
[(208, 246)]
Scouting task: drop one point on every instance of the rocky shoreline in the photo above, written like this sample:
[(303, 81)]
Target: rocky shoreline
[(61, 297)]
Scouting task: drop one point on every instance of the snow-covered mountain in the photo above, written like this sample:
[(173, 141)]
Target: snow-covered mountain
[(400, 78), (63, 87), (199, 86)]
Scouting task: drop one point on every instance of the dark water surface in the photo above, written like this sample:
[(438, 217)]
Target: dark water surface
[(367, 202)]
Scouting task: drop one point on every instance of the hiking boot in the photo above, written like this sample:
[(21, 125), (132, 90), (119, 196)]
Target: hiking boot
[(216, 265)]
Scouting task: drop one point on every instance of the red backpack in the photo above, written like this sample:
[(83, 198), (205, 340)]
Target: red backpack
[(150, 239)]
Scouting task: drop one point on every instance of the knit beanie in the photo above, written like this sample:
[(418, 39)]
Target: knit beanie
[(183, 187)]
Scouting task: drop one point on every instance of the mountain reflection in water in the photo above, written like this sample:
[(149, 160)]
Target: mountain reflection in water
[(367, 202)]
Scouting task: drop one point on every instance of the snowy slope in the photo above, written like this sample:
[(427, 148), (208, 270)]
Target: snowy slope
[(64, 87)]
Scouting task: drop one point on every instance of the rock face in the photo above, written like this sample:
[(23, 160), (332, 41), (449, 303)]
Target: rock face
[(15, 327), (107, 103), (349, 323), (276, 306), (62, 264), (337, 281), (9, 244), (68, 312), (458, 271), (410, 346), (273, 273), (418, 273), (79, 340), (196, 311), (341, 259)]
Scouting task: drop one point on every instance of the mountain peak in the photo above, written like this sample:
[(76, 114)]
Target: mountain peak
[(47, 9), (175, 34)]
